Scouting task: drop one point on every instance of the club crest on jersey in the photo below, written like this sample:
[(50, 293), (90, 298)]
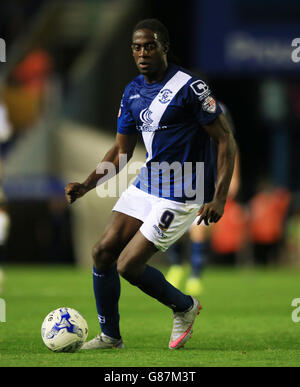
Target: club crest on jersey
[(209, 105), (165, 95)]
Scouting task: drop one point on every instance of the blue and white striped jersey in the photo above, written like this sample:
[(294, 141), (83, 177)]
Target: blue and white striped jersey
[(181, 156)]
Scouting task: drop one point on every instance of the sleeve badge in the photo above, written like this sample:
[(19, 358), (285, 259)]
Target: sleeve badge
[(209, 105)]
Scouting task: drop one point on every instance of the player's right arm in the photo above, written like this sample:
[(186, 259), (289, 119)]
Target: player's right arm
[(124, 146)]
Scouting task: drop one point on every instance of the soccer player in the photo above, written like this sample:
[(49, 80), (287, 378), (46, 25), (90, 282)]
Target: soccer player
[(190, 158)]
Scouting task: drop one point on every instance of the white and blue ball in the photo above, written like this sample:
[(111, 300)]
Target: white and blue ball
[(64, 330)]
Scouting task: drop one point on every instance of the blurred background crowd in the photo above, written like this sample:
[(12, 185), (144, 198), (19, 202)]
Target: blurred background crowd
[(65, 66)]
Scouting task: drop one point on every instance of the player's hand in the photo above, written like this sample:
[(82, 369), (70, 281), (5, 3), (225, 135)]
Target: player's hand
[(74, 191), (211, 212)]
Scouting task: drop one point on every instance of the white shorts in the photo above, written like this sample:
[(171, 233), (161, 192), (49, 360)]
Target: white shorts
[(164, 221)]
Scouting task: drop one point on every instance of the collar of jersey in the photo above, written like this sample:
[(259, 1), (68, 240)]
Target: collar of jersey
[(167, 76)]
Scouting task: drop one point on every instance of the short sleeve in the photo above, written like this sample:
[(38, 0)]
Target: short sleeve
[(126, 123), (202, 103)]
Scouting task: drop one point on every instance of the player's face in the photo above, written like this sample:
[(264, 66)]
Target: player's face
[(149, 54)]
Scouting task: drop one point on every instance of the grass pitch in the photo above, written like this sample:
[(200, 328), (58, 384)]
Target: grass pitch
[(246, 320)]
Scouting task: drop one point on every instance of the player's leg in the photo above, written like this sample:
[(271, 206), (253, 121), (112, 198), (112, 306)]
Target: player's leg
[(176, 271), (165, 224), (198, 238), (128, 214), (106, 282), (132, 265)]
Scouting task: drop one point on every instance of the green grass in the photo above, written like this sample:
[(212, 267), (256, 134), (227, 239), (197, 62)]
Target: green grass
[(246, 320)]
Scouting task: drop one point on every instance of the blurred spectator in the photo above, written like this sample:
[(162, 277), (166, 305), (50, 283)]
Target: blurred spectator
[(268, 210), (228, 236), (24, 93), (34, 70)]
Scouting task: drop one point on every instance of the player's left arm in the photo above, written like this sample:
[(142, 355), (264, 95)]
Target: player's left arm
[(221, 133)]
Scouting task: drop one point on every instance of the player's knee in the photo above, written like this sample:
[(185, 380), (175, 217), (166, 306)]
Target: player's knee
[(103, 258), (198, 233)]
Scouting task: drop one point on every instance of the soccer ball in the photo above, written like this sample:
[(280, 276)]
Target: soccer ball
[(64, 330)]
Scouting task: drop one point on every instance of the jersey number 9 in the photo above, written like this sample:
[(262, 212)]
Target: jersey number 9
[(165, 220)]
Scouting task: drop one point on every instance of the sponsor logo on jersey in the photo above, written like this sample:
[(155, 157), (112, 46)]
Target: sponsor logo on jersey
[(165, 95), (145, 117), (201, 89), (209, 105), (159, 231)]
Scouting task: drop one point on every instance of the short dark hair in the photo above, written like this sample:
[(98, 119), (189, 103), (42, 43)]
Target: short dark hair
[(156, 26)]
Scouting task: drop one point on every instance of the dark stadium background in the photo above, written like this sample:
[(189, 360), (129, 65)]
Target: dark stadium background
[(87, 64)]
